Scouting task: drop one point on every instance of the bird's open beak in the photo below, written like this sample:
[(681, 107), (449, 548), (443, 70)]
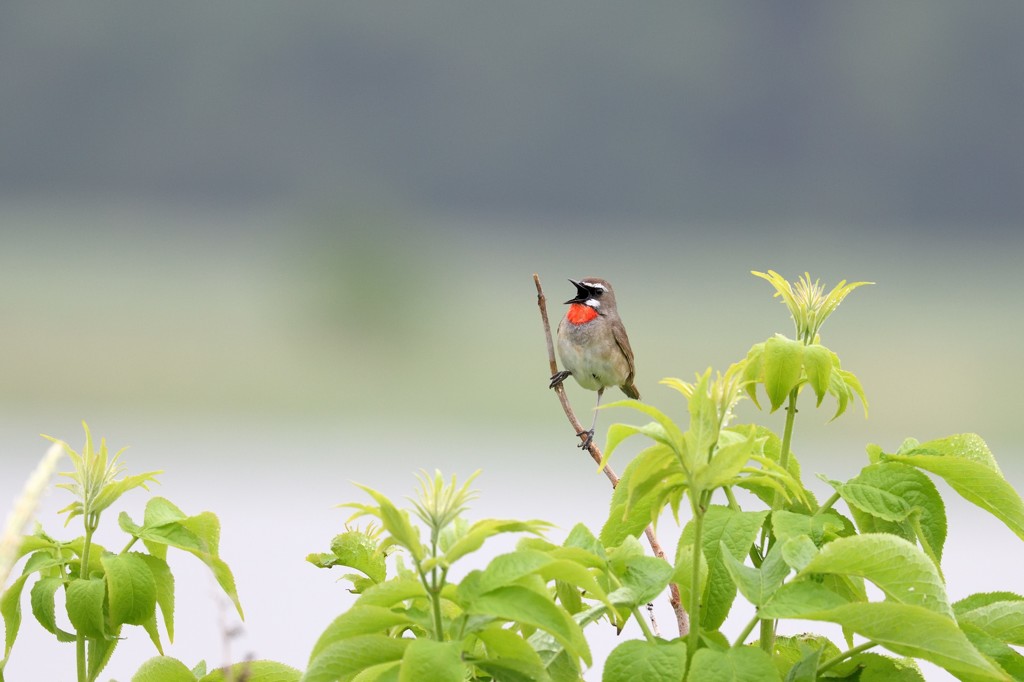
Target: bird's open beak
[(582, 293)]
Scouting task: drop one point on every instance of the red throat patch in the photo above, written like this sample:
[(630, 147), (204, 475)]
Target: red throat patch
[(580, 314)]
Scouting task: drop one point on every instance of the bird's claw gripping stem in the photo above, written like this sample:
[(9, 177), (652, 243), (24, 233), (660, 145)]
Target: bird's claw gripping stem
[(588, 440), (559, 377)]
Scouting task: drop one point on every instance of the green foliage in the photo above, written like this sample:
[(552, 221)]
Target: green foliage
[(800, 560), (524, 615), (105, 591)]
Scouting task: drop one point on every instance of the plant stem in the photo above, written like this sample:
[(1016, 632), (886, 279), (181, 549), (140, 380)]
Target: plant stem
[(695, 593), (648, 635), (768, 626), (92, 521), (839, 658), (746, 631), (827, 504), (130, 544)]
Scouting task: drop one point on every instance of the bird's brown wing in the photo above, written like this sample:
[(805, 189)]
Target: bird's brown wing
[(619, 332)]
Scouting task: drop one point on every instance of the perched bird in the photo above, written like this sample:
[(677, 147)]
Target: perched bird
[(593, 346)]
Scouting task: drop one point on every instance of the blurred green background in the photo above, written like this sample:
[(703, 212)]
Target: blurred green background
[(276, 247)]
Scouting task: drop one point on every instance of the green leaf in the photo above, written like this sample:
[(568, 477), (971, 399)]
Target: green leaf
[(359, 620), (898, 568), (396, 522), (820, 528), (44, 609), (359, 551), (737, 530), (10, 609), (668, 434), (757, 584), (1001, 653), (522, 605), (725, 464), (506, 647), (131, 589), (163, 669), (797, 551), (896, 498), (657, 661), (638, 497), (877, 668), (912, 630), (164, 583), (487, 528), (84, 603), (393, 591), (792, 656), (741, 664), (800, 597), (818, 368), (254, 671), (967, 465), (783, 366), (343, 659), (644, 579), (1003, 619), (166, 526), (683, 576), (425, 659)]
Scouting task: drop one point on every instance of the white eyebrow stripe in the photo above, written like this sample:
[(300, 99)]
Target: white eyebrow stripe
[(595, 285)]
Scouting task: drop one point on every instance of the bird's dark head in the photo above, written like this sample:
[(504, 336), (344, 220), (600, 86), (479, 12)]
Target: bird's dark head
[(593, 292)]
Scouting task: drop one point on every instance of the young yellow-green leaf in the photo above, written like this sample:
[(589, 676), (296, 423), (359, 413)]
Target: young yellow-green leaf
[(164, 582), (896, 498), (793, 655), (726, 463), (44, 609), (737, 530), (161, 511), (617, 433), (522, 605), (643, 579), (967, 465), (669, 432), (425, 659), (783, 368), (818, 362), (897, 567), (131, 589), (84, 603), (396, 522), (797, 551), (389, 593), (753, 371), (254, 671), (820, 528), (637, 659), (757, 584), (10, 609), (359, 620), (487, 528), (358, 550), (640, 493), (912, 630), (343, 659), (199, 535), (163, 669), (741, 664), (506, 646)]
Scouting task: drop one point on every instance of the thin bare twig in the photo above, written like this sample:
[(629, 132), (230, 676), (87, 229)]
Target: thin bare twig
[(595, 452)]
